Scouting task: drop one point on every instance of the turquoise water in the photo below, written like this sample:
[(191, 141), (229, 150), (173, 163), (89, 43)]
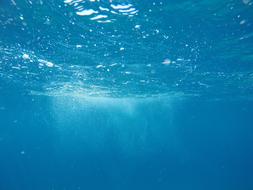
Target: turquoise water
[(124, 94)]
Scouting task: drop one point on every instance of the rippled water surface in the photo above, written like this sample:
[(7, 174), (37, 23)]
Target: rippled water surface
[(128, 48)]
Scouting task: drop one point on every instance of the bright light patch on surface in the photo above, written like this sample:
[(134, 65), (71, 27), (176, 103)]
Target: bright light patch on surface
[(99, 17), (166, 62), (86, 12), (68, 1), (47, 63), (25, 56), (121, 6)]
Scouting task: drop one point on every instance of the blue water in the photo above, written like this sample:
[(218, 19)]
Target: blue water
[(126, 95)]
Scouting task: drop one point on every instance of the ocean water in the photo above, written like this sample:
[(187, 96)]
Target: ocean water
[(126, 95)]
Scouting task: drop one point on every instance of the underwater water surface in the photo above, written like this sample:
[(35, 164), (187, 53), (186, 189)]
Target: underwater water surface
[(126, 94)]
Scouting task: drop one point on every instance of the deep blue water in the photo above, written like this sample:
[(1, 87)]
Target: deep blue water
[(126, 95)]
